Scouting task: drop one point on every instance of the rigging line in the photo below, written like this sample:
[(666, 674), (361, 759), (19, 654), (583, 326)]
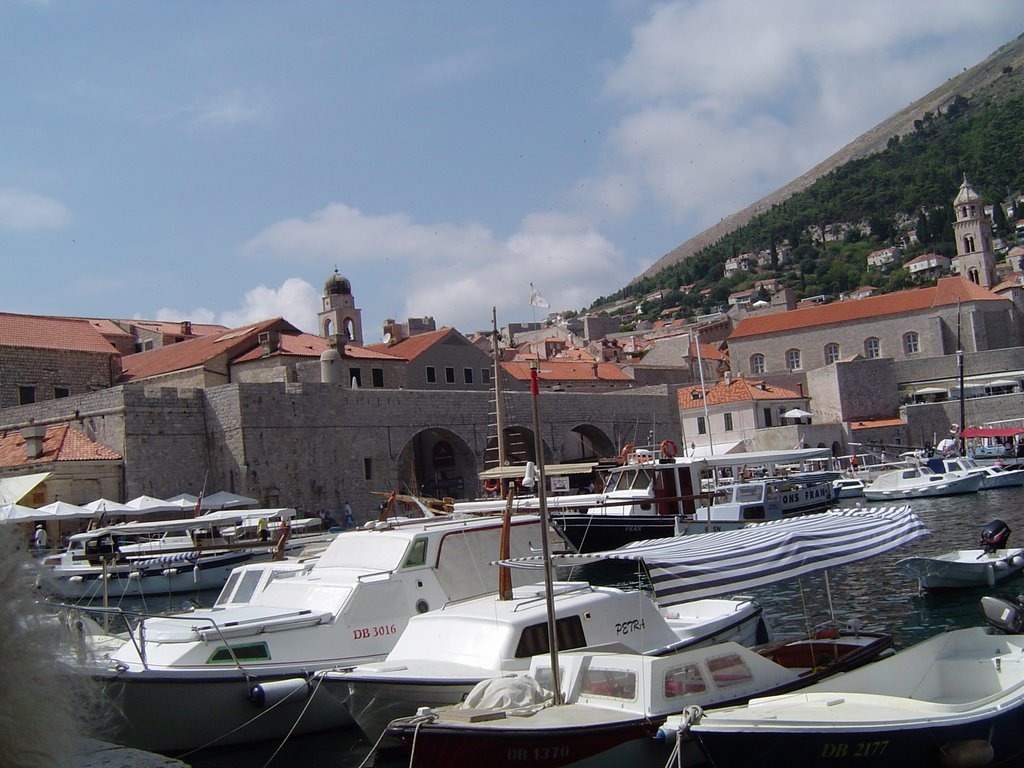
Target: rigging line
[(828, 593), (319, 679), (803, 604)]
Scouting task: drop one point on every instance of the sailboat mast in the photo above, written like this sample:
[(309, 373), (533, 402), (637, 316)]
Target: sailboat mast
[(499, 400), (542, 499)]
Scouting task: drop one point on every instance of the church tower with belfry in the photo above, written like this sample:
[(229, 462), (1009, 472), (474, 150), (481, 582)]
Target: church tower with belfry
[(972, 231), (339, 318)]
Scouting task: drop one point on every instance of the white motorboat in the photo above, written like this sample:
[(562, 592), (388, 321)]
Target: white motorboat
[(991, 563), (992, 475), (919, 482), (443, 654), (256, 651), (653, 493), (160, 557), (847, 487), (614, 703), (955, 699)]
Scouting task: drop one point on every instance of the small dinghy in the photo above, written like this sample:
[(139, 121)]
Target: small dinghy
[(982, 567), (955, 699)]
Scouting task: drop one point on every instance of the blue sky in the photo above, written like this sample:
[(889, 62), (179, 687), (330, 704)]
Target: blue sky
[(215, 161)]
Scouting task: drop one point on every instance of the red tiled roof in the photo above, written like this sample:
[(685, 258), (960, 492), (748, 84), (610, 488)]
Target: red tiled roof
[(64, 333), (174, 329), (738, 391), (414, 346), (196, 352), (946, 293), (62, 443), (877, 423), (310, 345), (707, 351), (564, 370)]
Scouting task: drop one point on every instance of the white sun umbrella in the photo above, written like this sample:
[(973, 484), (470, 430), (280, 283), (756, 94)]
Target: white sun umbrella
[(108, 507), (226, 500), (796, 413), (184, 497), (61, 510), (149, 504), (15, 513)]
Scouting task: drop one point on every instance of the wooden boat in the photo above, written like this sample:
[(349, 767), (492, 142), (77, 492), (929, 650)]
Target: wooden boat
[(956, 699), (919, 482), (991, 563), (615, 703)]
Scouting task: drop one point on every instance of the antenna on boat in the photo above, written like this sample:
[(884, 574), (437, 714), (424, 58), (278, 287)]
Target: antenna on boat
[(542, 499)]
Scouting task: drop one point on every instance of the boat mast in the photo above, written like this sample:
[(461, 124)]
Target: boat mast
[(499, 404), (704, 396), (542, 499)]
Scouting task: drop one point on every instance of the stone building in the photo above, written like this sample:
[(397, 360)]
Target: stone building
[(972, 231)]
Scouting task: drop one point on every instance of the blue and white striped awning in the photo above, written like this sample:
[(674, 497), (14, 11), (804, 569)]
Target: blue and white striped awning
[(703, 565)]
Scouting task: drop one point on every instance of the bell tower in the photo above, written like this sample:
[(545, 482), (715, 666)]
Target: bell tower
[(339, 316), (972, 231)]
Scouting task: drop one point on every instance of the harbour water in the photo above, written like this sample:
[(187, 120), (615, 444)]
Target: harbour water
[(873, 592)]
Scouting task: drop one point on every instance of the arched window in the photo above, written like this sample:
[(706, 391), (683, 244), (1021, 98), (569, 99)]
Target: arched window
[(969, 244), (831, 353), (911, 343), (793, 359), (872, 347), (757, 364)]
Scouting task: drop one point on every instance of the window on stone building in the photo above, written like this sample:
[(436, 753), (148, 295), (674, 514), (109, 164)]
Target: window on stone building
[(355, 376), (727, 418), (768, 417), (757, 364), (793, 359), (377, 374), (26, 394), (431, 375), (911, 343), (59, 392), (449, 375), (485, 375), (831, 353), (467, 374), (872, 347), (368, 469), (702, 427)]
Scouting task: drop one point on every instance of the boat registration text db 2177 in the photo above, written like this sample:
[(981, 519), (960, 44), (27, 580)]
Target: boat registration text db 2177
[(843, 750)]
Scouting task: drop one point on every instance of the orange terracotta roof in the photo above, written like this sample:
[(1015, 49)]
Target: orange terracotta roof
[(174, 329), (414, 346), (310, 345), (198, 351), (707, 351), (64, 333), (877, 423), (945, 293), (738, 391), (61, 443), (564, 370)]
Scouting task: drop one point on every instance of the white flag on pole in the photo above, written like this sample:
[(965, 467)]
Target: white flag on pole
[(536, 299)]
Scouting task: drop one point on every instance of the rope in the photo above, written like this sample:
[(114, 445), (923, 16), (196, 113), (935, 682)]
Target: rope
[(319, 679), (691, 714)]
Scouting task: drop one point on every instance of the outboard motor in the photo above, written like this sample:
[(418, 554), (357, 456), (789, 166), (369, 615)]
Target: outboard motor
[(1005, 615), (994, 536)]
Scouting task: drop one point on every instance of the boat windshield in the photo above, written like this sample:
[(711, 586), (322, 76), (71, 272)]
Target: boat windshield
[(365, 551), (630, 480)]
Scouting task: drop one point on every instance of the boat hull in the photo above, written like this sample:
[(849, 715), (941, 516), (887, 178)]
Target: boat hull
[(964, 568), (161, 714), (599, 533)]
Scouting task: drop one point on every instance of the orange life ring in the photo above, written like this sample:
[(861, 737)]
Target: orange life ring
[(668, 449), (626, 450), (491, 485)]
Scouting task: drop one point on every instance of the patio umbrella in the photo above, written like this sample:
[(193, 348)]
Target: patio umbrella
[(796, 413), (108, 507), (149, 504), (225, 500), (61, 510), (15, 513)]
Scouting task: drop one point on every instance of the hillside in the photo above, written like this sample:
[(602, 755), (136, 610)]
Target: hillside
[(998, 77)]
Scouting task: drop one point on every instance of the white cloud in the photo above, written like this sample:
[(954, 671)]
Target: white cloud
[(726, 100), (453, 273), (23, 211), (232, 108), (295, 300)]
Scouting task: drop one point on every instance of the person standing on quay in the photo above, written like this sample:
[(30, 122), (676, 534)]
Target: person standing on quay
[(347, 509)]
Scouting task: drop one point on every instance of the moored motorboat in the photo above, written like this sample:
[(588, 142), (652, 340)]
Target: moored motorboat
[(614, 703), (847, 487), (954, 699), (992, 475), (991, 563), (256, 651), (919, 482)]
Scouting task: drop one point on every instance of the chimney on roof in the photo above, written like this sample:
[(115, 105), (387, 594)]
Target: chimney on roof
[(270, 341), (33, 441), (728, 378), (186, 328)]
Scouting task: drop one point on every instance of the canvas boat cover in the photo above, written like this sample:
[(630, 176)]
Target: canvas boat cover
[(701, 565)]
